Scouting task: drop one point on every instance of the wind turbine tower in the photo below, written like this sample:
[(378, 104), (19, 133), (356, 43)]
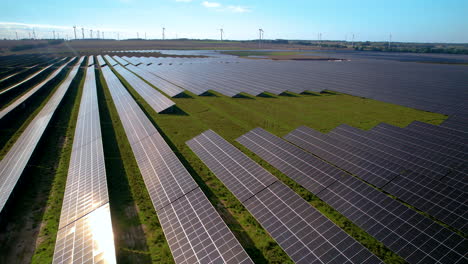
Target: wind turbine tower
[(34, 34), (82, 33), (53, 32), (16, 32), (390, 41), (91, 33), (221, 31), (74, 30), (260, 33), (163, 33)]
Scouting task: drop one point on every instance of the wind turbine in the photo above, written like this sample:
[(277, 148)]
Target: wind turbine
[(163, 33), (34, 34), (16, 32), (74, 30), (390, 41), (91, 33), (82, 33), (221, 31), (53, 32), (103, 35), (260, 33), (98, 34)]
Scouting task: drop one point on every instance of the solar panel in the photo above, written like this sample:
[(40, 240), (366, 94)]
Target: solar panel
[(316, 143), (155, 99), (165, 86), (303, 232), (101, 61), (171, 188), (426, 143), (86, 188), (197, 234), (90, 60), (111, 61), (312, 173), (391, 147), (14, 162), (120, 60), (443, 131), (87, 240), (407, 233), (31, 91)]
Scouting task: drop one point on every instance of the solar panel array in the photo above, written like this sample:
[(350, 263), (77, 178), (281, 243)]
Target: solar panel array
[(408, 233), (438, 199), (28, 78), (303, 232), (32, 91), (194, 230), (405, 83), (163, 85), (14, 162), (86, 189), (155, 99)]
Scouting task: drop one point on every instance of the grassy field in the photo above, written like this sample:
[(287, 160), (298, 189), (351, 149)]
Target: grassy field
[(232, 117)]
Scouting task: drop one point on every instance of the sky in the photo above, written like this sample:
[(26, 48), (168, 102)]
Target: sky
[(373, 20)]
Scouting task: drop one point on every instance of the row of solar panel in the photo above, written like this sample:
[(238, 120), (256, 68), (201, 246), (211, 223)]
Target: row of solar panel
[(85, 228), (408, 233)]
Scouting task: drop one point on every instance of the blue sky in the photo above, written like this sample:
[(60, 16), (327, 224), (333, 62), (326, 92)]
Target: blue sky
[(406, 20)]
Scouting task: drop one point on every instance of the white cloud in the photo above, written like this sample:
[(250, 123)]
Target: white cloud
[(13, 25), (239, 9), (210, 4)]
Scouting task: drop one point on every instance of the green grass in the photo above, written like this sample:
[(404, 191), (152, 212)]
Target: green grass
[(50, 220), (232, 117)]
